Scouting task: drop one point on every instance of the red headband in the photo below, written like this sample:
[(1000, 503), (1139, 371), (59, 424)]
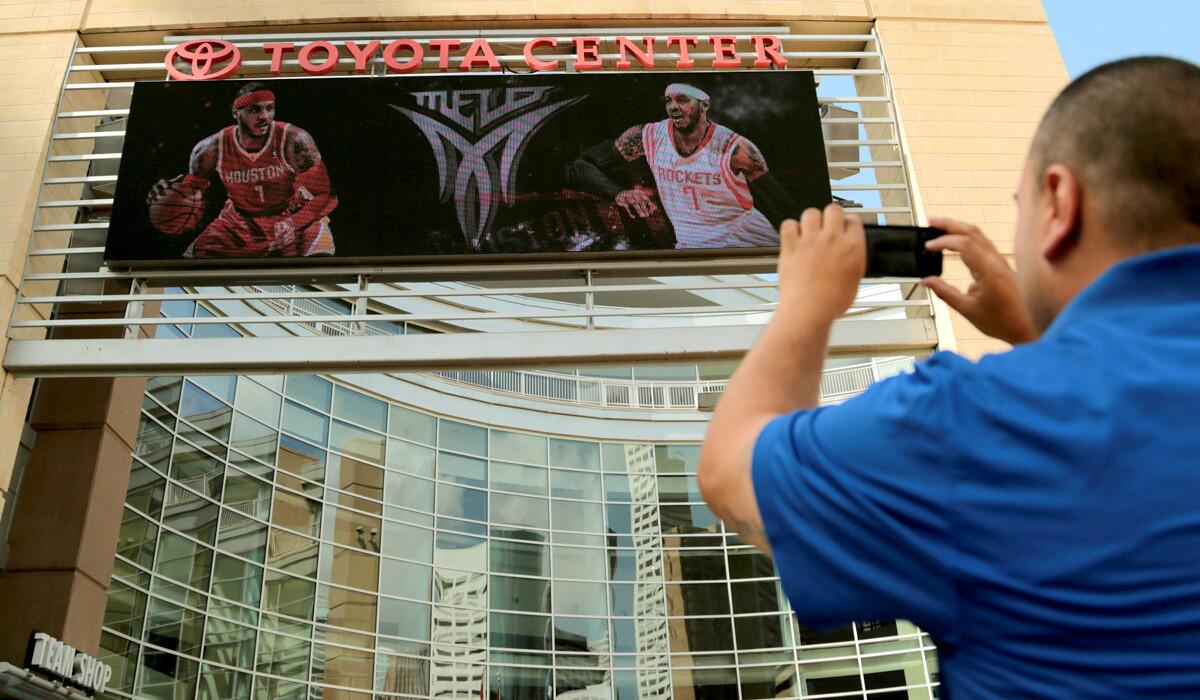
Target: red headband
[(250, 98)]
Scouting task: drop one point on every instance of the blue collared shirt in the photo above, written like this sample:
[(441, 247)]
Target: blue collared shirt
[(1038, 511)]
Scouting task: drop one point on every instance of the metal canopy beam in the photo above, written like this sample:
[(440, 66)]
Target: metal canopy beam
[(423, 353)]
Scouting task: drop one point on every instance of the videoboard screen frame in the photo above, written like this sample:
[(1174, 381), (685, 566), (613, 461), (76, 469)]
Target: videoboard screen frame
[(462, 169)]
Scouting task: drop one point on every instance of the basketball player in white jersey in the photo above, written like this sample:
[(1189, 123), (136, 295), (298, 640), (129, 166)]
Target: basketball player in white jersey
[(713, 183)]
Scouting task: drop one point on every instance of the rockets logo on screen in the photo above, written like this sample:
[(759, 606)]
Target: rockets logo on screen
[(478, 137)]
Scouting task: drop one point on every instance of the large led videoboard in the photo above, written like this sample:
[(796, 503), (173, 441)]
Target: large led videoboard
[(455, 167)]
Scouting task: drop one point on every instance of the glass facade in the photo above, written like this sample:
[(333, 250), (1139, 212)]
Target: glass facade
[(295, 537)]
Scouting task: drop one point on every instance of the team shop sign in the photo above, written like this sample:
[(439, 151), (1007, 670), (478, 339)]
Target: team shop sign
[(62, 661), (213, 59)]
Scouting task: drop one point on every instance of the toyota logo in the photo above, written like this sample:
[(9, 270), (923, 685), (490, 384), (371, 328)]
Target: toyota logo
[(203, 56)]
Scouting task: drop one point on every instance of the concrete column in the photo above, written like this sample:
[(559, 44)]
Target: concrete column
[(68, 512)]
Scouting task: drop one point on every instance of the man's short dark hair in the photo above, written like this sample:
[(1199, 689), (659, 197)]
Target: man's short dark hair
[(1130, 130), (249, 88)]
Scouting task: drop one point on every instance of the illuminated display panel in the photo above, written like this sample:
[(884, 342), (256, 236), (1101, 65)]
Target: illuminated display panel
[(438, 168)]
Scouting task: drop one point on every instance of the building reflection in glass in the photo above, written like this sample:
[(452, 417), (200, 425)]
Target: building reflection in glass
[(301, 539)]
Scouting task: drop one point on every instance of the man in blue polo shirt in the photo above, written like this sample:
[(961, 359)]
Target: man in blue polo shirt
[(1037, 511)]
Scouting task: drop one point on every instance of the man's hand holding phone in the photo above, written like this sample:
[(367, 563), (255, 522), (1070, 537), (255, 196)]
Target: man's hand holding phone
[(993, 302), (822, 259)]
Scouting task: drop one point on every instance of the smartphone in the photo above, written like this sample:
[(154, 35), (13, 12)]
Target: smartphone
[(899, 251)]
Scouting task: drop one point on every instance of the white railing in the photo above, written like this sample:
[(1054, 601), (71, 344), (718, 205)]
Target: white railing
[(837, 385), (304, 307), (201, 483), (246, 512)]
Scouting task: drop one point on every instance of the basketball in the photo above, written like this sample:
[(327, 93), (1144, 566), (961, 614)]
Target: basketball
[(177, 210)]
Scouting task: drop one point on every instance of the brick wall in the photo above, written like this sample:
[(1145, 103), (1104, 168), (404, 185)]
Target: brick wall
[(110, 15), (970, 82), (32, 66)]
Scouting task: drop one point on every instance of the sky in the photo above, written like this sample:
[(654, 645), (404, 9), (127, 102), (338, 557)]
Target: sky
[(1091, 32)]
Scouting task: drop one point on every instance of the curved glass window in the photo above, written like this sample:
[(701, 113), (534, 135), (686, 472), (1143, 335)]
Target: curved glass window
[(314, 391), (517, 447), (574, 453), (300, 538), (518, 477), (411, 425), (462, 437), (410, 458)]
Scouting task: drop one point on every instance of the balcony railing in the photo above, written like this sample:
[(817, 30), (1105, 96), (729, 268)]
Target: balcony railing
[(837, 385)]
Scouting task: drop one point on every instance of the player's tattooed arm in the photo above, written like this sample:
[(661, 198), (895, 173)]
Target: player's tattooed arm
[(748, 161), (201, 166), (301, 150), (592, 172), (770, 198), (314, 198), (629, 144), (203, 161)]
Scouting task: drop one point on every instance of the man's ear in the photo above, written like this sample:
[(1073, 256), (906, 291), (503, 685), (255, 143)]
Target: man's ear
[(1064, 209)]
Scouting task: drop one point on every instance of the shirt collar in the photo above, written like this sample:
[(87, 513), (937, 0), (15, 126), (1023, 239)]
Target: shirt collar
[(1171, 275)]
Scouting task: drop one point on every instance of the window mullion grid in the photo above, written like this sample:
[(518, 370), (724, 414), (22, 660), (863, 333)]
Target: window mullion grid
[(862, 676), (737, 666)]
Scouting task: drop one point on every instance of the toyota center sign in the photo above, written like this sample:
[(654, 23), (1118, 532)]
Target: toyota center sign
[(213, 59)]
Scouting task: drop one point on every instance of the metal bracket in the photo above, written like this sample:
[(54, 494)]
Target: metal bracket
[(360, 305), (589, 300), (134, 310)]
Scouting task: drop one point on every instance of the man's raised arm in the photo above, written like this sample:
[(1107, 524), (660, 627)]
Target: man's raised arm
[(821, 260)]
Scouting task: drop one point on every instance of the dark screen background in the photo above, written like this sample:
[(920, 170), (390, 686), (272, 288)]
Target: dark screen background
[(385, 172)]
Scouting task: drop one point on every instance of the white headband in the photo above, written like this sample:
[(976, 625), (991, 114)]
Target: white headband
[(685, 89)]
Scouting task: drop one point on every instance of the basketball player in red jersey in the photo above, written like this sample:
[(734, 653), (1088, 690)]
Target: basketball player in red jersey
[(278, 192), (713, 183)]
